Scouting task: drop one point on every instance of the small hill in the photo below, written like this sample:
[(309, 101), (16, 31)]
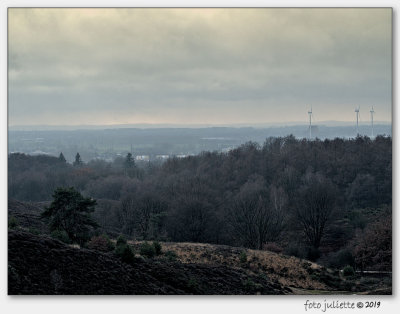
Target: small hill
[(299, 275), (27, 215), (287, 270), (41, 265)]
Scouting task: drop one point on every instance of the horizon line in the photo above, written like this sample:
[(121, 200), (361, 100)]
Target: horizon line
[(191, 125)]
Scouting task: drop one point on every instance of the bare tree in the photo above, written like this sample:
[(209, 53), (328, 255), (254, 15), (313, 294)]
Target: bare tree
[(314, 206), (255, 216)]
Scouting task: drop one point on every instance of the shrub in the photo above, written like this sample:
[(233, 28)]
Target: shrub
[(251, 286), (373, 246), (128, 255), (100, 243), (273, 247), (348, 271), (119, 249), (61, 235), (330, 280), (148, 250), (346, 285), (171, 256), (12, 222), (157, 247), (340, 259), (243, 257), (124, 251), (295, 250), (121, 240)]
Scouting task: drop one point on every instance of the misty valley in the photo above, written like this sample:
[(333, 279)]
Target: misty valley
[(159, 144)]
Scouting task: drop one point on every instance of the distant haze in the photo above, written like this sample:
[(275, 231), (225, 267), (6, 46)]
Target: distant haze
[(197, 66)]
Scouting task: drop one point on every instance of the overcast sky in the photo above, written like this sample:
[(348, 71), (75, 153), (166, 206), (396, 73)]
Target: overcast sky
[(206, 66)]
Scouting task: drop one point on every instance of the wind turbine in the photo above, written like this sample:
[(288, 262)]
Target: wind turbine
[(310, 114), (357, 111), (372, 121)]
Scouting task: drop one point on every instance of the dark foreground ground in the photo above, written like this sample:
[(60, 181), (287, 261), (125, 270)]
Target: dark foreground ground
[(41, 265)]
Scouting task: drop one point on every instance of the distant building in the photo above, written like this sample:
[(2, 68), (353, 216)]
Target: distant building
[(142, 158), (163, 157)]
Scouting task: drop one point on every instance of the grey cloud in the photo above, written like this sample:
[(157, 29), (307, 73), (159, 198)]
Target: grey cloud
[(155, 64)]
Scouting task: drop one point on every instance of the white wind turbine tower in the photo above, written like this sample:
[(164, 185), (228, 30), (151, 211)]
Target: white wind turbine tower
[(310, 114), (357, 111), (372, 121)]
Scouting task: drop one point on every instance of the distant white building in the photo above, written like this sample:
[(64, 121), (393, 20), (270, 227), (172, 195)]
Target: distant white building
[(163, 157), (142, 158)]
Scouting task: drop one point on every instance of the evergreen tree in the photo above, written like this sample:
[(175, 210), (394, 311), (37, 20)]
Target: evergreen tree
[(62, 158), (129, 161), (70, 212), (78, 160), (129, 165)]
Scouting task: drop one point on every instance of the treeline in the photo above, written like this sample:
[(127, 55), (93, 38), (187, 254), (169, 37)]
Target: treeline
[(313, 199)]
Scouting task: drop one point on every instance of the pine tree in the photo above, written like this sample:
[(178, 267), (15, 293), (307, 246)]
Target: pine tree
[(70, 212), (78, 160), (129, 161), (62, 158)]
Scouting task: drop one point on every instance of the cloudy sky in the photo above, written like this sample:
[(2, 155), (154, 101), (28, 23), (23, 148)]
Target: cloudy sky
[(197, 66)]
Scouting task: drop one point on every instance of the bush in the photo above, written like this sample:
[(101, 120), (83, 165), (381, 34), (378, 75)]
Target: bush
[(273, 247), (61, 235), (171, 256), (148, 250), (128, 255), (243, 257), (340, 259), (12, 222), (121, 240), (157, 247), (124, 251), (100, 243), (348, 271), (295, 250), (251, 286)]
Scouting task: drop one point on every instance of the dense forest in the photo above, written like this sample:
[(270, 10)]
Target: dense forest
[(323, 200)]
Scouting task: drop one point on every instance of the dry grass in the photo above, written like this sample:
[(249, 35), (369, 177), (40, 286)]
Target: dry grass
[(289, 271)]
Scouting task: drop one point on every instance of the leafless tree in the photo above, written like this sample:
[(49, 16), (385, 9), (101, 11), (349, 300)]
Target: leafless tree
[(314, 206), (256, 216)]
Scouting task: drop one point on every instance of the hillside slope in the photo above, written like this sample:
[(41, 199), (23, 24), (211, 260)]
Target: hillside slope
[(287, 270), (41, 265), (27, 215)]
